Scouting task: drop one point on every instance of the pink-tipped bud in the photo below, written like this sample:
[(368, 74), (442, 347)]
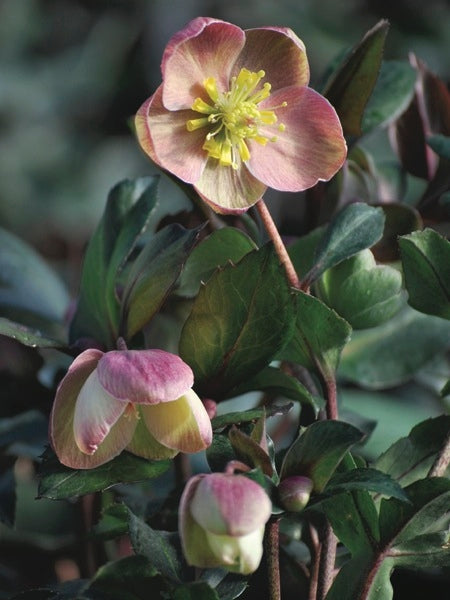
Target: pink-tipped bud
[(294, 492)]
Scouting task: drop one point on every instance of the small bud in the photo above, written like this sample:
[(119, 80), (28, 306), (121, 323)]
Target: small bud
[(294, 492), (221, 522)]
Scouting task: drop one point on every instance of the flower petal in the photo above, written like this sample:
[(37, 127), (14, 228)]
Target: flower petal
[(240, 554), (230, 504), (193, 538), (163, 135), (204, 48), (144, 376), (278, 52), (312, 148), (144, 444), (228, 190), (61, 431), (96, 412), (183, 424)]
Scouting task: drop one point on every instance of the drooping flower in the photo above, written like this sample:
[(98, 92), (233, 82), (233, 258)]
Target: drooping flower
[(234, 115), (221, 522), (138, 400)]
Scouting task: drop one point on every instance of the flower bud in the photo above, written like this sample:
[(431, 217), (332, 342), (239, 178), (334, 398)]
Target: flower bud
[(294, 492), (138, 400), (221, 522)]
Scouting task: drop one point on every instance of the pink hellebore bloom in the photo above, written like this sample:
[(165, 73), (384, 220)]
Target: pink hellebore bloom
[(234, 115), (221, 522), (138, 400)]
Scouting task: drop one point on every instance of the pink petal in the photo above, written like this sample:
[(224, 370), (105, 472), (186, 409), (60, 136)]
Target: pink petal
[(278, 52), (228, 190), (312, 148), (144, 376), (182, 425), (164, 137), (204, 48), (96, 412), (230, 504), (61, 430)]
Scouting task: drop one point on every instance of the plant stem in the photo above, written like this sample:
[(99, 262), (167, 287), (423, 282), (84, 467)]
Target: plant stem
[(331, 400), (280, 248), (271, 543), (442, 461), (327, 561)]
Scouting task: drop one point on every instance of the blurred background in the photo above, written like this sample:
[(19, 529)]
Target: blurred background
[(73, 73)]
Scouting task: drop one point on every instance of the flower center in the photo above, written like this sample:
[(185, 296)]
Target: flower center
[(233, 117)]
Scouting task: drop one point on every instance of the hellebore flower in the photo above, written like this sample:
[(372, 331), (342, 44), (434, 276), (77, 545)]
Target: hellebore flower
[(234, 115), (138, 400), (221, 522)]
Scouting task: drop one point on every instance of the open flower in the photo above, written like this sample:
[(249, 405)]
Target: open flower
[(234, 115), (138, 400), (221, 522)]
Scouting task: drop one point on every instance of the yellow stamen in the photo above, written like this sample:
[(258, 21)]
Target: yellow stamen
[(236, 117)]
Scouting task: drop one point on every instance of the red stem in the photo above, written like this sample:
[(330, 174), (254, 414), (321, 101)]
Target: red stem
[(280, 248), (272, 544)]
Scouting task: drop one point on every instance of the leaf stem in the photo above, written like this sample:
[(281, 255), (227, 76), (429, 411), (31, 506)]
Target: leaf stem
[(442, 461), (327, 561), (272, 542), (280, 248)]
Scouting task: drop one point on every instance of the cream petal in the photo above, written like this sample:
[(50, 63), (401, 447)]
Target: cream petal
[(228, 190), (182, 425), (279, 53), (61, 431), (144, 376), (238, 554), (144, 444), (204, 48), (312, 148), (96, 412), (163, 135)]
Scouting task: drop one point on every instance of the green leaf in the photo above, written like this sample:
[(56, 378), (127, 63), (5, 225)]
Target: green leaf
[(246, 416), (426, 264), (392, 353), (239, 320), (30, 291), (128, 578), (365, 295), (354, 228), (58, 482), (392, 94), (250, 452), (272, 380), (352, 83), (368, 479), (161, 548), (303, 250), (126, 216), (411, 457), (223, 246), (153, 276), (427, 513), (319, 335), (318, 450), (113, 522), (199, 590), (440, 144), (27, 336), (414, 535)]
